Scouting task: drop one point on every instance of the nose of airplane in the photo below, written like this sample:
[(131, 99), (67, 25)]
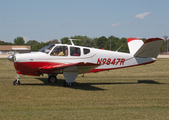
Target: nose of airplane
[(11, 58)]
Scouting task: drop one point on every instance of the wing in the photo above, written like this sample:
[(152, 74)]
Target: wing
[(83, 67)]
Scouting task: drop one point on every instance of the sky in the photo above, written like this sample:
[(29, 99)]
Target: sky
[(45, 20)]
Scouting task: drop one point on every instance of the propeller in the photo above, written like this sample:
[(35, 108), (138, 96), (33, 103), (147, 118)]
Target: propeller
[(11, 57)]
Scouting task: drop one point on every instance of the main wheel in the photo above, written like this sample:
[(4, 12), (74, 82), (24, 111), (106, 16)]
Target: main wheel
[(15, 82), (52, 79)]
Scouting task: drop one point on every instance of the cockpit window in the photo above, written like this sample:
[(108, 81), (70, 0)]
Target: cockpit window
[(74, 51), (86, 51), (59, 51), (47, 48)]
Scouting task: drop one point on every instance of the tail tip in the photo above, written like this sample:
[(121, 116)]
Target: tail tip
[(131, 39)]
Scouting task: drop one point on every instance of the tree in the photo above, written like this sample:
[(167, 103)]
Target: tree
[(19, 41), (101, 42), (82, 41), (2, 42), (114, 42), (5, 43), (31, 42), (54, 41), (94, 42), (38, 46), (125, 46), (65, 40), (144, 39)]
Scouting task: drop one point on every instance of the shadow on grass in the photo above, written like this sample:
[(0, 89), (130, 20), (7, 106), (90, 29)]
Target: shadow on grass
[(149, 82), (89, 86), (59, 83)]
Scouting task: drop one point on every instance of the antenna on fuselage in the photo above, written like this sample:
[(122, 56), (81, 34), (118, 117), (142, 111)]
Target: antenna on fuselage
[(119, 47), (71, 40)]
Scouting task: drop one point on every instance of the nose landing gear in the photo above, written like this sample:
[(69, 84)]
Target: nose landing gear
[(17, 82)]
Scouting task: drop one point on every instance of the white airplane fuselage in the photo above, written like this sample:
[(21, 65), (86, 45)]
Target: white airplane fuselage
[(100, 60), (71, 60)]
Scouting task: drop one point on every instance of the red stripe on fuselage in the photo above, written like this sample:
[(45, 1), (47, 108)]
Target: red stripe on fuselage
[(33, 66), (29, 68)]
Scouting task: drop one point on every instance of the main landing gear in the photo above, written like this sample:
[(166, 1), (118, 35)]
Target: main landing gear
[(17, 82), (52, 78), (67, 84)]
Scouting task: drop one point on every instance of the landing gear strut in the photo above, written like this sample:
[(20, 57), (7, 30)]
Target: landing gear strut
[(17, 82), (67, 84)]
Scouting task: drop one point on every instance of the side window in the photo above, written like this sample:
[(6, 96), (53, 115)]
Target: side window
[(60, 51), (47, 48), (74, 51), (86, 51)]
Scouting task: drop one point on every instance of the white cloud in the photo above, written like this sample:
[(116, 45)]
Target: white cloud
[(142, 16), (121, 24), (115, 24)]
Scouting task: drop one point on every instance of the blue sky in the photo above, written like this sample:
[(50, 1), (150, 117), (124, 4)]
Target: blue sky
[(44, 20)]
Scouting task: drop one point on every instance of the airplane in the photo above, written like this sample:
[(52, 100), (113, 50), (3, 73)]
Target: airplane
[(71, 60)]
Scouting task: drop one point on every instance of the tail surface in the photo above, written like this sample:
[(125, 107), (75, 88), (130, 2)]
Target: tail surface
[(150, 48), (134, 44)]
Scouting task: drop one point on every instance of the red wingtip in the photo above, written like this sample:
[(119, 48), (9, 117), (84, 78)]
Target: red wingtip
[(131, 39), (152, 39)]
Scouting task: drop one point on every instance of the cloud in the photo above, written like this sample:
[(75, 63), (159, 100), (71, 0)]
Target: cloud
[(121, 24), (142, 16), (115, 24)]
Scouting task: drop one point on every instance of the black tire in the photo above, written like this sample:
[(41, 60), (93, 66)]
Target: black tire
[(52, 79), (16, 83)]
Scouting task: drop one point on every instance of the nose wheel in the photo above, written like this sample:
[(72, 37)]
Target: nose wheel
[(17, 82)]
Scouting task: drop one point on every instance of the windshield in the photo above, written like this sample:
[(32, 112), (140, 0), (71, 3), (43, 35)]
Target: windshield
[(47, 48)]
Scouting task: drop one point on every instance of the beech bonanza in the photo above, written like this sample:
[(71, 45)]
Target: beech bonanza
[(71, 60)]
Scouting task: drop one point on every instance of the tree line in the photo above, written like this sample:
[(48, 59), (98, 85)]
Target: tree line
[(108, 43)]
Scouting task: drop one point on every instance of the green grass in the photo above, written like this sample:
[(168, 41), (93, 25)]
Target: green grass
[(140, 92)]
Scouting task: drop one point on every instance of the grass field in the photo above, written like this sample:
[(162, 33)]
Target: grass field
[(140, 92)]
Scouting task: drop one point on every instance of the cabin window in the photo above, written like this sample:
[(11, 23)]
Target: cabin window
[(74, 51), (60, 51), (47, 48), (86, 51)]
